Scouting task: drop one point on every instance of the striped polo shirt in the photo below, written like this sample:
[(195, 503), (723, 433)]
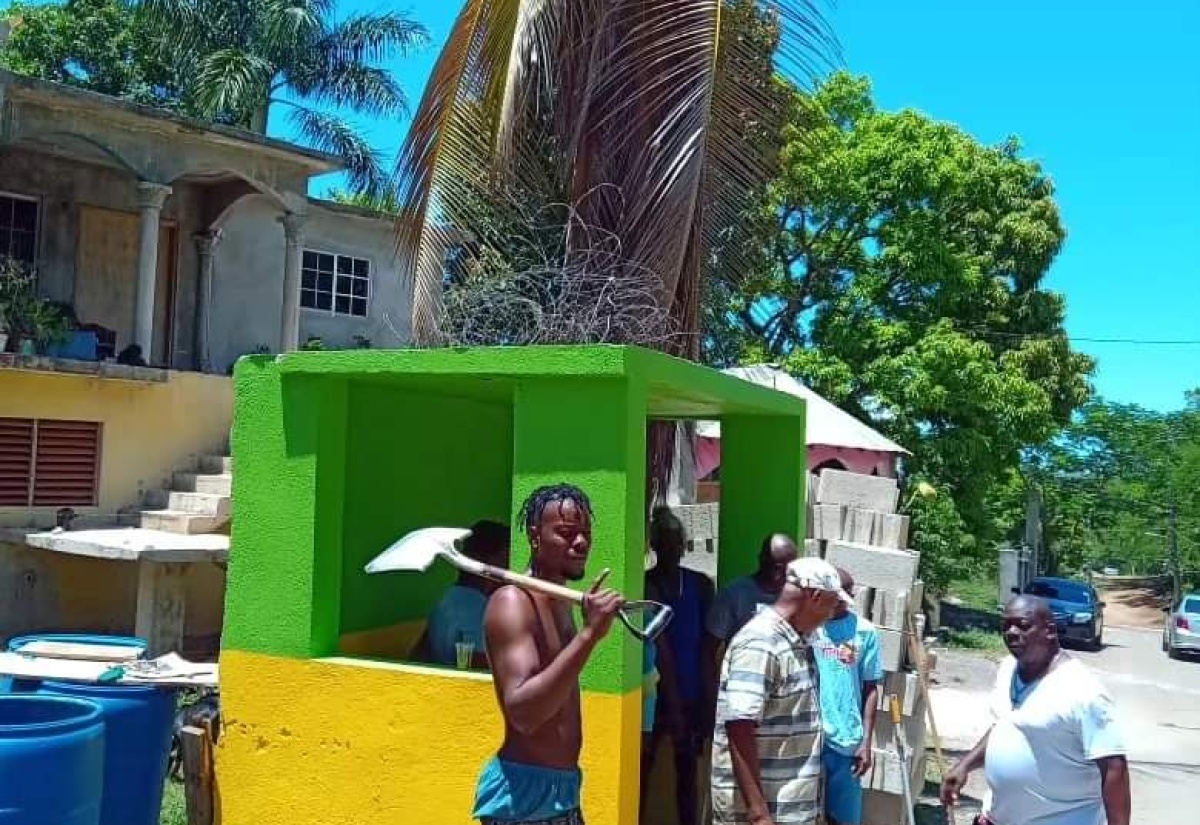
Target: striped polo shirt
[(769, 677)]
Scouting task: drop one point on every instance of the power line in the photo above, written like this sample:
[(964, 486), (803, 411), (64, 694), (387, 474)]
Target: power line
[(1029, 336)]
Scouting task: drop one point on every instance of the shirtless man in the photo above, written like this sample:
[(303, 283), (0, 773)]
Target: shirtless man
[(537, 656)]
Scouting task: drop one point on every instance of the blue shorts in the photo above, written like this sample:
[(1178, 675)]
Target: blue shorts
[(843, 790), (515, 792)]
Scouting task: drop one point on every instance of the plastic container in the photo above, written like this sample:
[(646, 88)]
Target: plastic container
[(51, 760), (137, 744), (17, 642)]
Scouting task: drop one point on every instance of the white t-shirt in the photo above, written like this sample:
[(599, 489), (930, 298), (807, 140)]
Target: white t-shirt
[(1040, 756)]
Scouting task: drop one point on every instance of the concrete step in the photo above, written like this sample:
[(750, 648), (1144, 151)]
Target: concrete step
[(216, 464), (177, 521), (202, 504), (220, 484)]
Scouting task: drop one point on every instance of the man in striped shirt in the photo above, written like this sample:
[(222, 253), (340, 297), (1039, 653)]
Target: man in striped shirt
[(766, 757)]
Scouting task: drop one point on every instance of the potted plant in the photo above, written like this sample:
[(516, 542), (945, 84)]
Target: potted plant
[(27, 317)]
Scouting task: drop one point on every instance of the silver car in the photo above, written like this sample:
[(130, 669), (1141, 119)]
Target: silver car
[(1181, 631)]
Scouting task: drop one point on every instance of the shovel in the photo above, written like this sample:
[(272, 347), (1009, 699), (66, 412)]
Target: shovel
[(417, 550)]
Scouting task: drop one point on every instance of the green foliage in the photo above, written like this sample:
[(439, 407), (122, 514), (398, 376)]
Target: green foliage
[(97, 45), (902, 280), (228, 61), (1109, 481), (23, 313)]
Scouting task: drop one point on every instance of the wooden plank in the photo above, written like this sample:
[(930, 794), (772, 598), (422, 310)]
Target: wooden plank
[(160, 606), (86, 652), (198, 775)]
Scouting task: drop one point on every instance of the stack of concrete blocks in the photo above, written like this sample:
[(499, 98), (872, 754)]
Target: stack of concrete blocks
[(701, 526), (855, 526)]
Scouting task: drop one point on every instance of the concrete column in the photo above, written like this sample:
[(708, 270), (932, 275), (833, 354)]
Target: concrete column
[(206, 243), (289, 323), (150, 201)]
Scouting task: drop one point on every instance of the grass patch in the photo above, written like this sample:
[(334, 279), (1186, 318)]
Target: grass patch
[(174, 809), (977, 594), (984, 641)]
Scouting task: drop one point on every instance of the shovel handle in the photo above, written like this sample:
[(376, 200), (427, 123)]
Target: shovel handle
[(557, 591)]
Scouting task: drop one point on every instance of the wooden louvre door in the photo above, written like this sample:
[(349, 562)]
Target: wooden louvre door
[(66, 463), (16, 461)]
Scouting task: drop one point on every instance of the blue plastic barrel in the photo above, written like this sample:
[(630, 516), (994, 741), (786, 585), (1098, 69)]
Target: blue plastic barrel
[(51, 760), (137, 744)]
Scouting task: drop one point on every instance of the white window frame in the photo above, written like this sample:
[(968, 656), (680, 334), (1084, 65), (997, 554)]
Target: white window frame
[(37, 221), (332, 311)]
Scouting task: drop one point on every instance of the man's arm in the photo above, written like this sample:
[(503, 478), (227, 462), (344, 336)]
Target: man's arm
[(530, 698), (743, 754), (1114, 786), (954, 781), (865, 755)]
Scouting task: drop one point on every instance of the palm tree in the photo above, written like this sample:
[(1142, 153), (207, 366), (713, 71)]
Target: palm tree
[(236, 59), (647, 107)]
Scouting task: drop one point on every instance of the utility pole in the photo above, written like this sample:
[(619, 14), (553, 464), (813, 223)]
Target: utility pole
[(1033, 527), (1173, 553)]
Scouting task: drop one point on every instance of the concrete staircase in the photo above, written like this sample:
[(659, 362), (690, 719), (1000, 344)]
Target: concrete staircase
[(199, 501)]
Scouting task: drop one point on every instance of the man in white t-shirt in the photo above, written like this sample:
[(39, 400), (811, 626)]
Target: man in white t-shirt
[(1055, 754)]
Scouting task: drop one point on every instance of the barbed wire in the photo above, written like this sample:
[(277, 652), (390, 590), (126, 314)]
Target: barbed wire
[(574, 285)]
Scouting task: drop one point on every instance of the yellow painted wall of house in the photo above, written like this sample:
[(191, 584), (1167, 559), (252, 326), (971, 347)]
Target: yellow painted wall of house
[(368, 734), (150, 429)]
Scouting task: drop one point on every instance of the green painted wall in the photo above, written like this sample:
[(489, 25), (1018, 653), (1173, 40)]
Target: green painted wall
[(592, 433), (283, 587), (415, 459), (763, 483)]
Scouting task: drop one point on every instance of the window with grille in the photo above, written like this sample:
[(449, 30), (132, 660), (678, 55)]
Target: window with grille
[(18, 228), (337, 284), (48, 463)]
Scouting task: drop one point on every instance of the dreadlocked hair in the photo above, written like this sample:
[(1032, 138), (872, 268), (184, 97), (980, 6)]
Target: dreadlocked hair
[(535, 505)]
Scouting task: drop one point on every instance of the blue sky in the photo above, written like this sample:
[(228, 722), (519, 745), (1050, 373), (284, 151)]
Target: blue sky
[(1105, 94)]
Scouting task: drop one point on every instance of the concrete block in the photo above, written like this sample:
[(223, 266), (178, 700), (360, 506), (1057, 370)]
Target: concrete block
[(863, 601), (916, 598), (887, 773), (877, 567), (907, 687), (812, 548), (891, 530), (860, 525), (858, 490), (204, 504), (829, 521), (892, 644), (890, 609), (913, 725), (881, 808)]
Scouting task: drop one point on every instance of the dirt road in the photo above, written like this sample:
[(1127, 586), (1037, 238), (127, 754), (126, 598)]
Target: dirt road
[(1159, 703)]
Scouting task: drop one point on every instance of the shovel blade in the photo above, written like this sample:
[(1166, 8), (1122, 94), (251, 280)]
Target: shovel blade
[(418, 550)]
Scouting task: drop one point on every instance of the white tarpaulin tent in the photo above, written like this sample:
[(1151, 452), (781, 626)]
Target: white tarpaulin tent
[(826, 424)]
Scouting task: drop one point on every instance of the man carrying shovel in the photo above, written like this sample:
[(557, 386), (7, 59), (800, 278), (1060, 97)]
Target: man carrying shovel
[(537, 655)]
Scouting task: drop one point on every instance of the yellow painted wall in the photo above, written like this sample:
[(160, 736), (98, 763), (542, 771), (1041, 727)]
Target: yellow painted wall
[(344, 742), (150, 429)]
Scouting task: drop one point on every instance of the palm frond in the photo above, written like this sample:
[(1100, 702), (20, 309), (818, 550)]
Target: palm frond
[(355, 86), (331, 134), (369, 38), (231, 82), (443, 162), (179, 22), (290, 27), (629, 92)]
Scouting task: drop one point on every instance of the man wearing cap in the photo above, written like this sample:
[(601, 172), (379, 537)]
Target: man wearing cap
[(847, 651), (766, 763)]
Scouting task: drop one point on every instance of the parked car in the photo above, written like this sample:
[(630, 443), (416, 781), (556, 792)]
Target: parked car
[(1181, 630), (1078, 610)]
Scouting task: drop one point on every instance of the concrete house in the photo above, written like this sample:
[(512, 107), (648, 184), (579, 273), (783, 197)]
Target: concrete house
[(199, 244)]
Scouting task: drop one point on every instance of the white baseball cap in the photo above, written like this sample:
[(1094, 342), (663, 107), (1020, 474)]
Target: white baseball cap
[(817, 574)]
